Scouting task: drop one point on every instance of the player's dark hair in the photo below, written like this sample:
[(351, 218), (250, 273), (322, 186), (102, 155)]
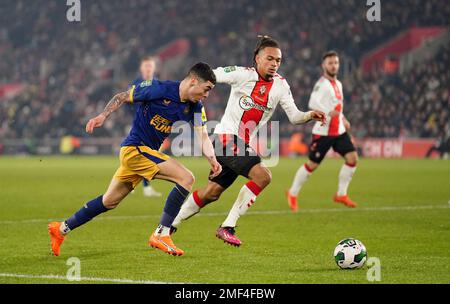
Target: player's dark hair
[(264, 42), (329, 54), (203, 70)]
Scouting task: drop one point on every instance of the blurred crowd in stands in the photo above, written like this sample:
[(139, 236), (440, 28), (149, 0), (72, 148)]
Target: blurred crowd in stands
[(69, 71)]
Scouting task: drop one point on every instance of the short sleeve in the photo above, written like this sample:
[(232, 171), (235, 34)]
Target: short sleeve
[(145, 91), (135, 82), (231, 75), (199, 115)]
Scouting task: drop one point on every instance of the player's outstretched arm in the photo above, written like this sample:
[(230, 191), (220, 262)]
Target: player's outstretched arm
[(208, 150), (296, 116), (300, 117), (346, 123), (318, 116), (116, 102)]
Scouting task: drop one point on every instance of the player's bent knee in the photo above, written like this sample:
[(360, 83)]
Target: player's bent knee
[(352, 159), (110, 202), (264, 179), (268, 177), (212, 196), (191, 178), (187, 180), (312, 165), (211, 193)]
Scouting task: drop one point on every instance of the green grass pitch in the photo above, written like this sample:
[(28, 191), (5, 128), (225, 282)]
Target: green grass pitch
[(403, 218)]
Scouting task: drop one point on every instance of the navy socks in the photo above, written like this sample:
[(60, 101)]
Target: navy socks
[(95, 207), (174, 201), (86, 213)]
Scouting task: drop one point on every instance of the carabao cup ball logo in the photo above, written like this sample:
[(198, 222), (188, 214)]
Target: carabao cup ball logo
[(246, 103)]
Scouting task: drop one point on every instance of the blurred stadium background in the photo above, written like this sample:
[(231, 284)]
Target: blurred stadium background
[(55, 74)]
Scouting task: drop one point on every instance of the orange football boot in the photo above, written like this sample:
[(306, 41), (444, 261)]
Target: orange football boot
[(344, 199), (56, 237), (292, 201), (165, 244)]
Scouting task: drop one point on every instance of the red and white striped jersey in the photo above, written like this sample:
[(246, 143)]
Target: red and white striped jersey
[(253, 100), (327, 96)]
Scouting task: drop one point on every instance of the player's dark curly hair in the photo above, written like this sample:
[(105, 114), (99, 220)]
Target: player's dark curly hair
[(263, 42), (203, 70)]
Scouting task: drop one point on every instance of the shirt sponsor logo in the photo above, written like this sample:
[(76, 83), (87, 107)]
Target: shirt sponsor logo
[(161, 124), (247, 103)]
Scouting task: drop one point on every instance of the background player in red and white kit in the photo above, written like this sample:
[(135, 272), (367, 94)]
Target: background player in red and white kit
[(255, 93), (327, 96)]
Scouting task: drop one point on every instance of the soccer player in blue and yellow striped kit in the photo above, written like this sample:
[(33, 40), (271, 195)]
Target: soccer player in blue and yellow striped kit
[(147, 72), (160, 104)]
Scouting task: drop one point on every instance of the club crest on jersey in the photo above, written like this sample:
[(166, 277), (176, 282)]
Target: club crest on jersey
[(247, 103), (186, 110), (262, 90), (146, 83)]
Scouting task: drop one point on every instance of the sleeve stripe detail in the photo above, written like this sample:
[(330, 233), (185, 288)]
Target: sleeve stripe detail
[(131, 93)]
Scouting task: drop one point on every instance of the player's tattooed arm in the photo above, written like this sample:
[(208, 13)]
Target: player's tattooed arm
[(116, 102)]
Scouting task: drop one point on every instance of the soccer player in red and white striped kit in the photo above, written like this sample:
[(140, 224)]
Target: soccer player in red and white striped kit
[(327, 96), (255, 93)]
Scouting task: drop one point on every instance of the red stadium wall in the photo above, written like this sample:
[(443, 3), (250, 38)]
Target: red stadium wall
[(382, 148), (402, 43), (396, 148)]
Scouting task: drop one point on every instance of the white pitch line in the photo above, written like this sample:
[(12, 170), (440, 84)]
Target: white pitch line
[(60, 277), (262, 212)]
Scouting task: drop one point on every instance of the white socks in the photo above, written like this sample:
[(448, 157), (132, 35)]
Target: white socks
[(64, 229), (189, 208), (300, 178), (245, 199), (345, 177), (303, 173), (162, 230)]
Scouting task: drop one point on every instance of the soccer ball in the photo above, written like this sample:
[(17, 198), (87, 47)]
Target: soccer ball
[(350, 254)]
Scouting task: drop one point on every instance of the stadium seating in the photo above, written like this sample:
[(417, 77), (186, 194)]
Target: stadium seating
[(66, 72)]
